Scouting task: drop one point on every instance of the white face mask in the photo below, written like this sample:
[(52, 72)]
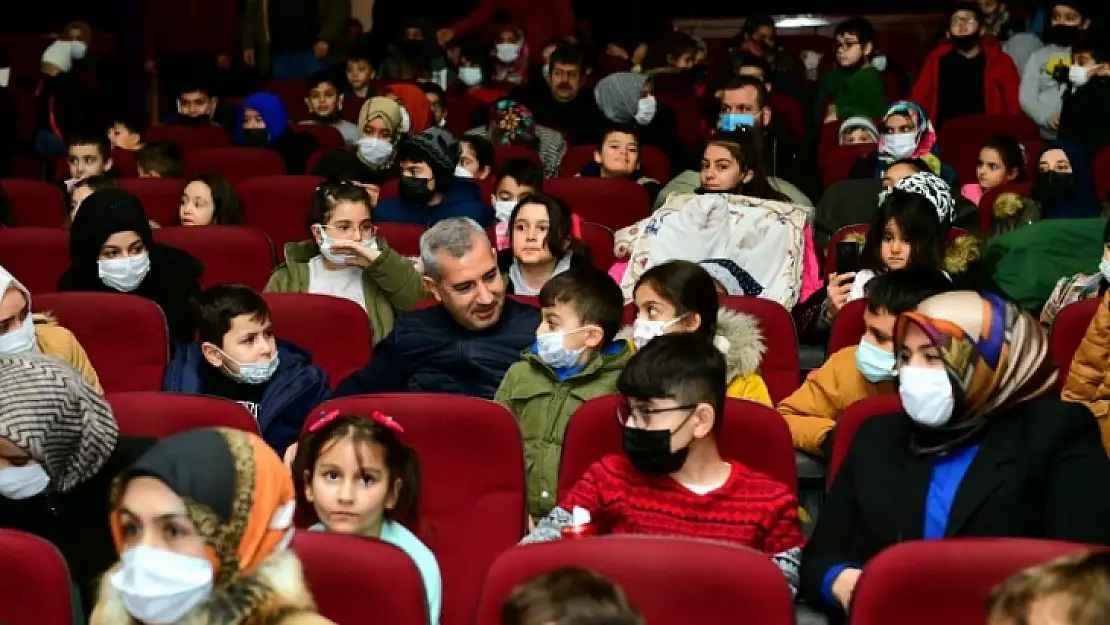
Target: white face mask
[(507, 52), (551, 348), (1104, 268), (160, 587), (19, 341), (645, 110), (23, 482), (926, 395), (470, 76), (124, 274), (461, 172), (503, 209), (78, 49), (1078, 75), (899, 146), (326, 243), (406, 121), (643, 330), (374, 150)]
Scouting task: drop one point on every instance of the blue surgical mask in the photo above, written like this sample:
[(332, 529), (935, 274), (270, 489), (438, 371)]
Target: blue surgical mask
[(19, 341), (551, 348), (251, 373), (733, 121), (470, 76), (874, 363)]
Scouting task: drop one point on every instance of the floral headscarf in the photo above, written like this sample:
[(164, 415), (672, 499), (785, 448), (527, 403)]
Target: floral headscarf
[(926, 135), (996, 355), (511, 123)]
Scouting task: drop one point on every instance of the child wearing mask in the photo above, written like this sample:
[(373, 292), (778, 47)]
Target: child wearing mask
[(379, 123), (1044, 80), (209, 200), (475, 158), (360, 478), (1078, 287), (671, 479), (325, 106), (543, 245), (617, 155), (429, 190), (22, 331), (346, 259), (575, 358), (1001, 161), (475, 71), (236, 357), (569, 596), (265, 124), (517, 178), (682, 297), (510, 55), (1083, 113), (854, 87), (861, 371)]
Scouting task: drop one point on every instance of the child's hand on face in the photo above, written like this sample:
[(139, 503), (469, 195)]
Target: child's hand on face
[(358, 253)]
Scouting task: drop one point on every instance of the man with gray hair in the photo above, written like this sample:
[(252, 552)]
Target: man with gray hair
[(465, 345)]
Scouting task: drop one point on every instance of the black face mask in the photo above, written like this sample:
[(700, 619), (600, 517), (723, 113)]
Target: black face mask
[(199, 120), (1053, 187), (965, 43), (1061, 35), (415, 190), (256, 137), (326, 119), (650, 451)]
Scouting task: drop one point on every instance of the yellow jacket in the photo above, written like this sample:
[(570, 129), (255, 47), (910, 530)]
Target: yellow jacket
[(1088, 381), (57, 342), (812, 410)]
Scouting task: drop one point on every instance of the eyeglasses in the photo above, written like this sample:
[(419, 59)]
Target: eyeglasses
[(364, 231), (964, 21), (640, 418)]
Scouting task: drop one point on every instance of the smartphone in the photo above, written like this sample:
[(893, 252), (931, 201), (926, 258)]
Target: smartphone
[(847, 257)]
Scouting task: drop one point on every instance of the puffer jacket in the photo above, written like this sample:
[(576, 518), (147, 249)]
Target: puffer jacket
[(740, 339), (1088, 381)]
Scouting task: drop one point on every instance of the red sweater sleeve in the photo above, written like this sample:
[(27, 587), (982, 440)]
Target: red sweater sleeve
[(784, 528), (1009, 83), (481, 14), (589, 492)]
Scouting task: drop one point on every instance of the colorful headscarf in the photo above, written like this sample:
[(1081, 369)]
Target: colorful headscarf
[(511, 123), (271, 109), (996, 355), (236, 490), (926, 135)]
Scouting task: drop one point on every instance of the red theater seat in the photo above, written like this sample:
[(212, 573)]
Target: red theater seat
[(850, 421), (230, 254), (34, 582), (37, 257), (160, 197), (280, 206), (847, 328), (779, 369), (611, 202), (188, 137), (35, 203), (312, 322), (234, 164), (158, 415), (1068, 331)]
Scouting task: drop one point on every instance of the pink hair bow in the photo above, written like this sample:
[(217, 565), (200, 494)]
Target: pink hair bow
[(379, 417)]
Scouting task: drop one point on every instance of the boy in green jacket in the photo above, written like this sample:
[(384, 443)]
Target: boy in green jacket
[(854, 87), (574, 359)]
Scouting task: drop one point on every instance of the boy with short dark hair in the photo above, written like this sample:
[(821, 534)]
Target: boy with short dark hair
[(236, 357), (360, 72), (88, 155), (159, 160), (854, 87), (569, 596), (198, 105), (325, 107), (517, 178), (671, 479), (573, 359), (126, 133)]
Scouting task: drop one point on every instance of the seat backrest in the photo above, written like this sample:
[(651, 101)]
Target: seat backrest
[(668, 580), (613, 203), (403, 238), (124, 163), (230, 254), (502, 153), (342, 567), (158, 415), (847, 327), (160, 197), (943, 581), (188, 137), (986, 203), (838, 160), (34, 581), (779, 369), (35, 203), (327, 137), (975, 130), (37, 257), (466, 522), (280, 206), (352, 106), (599, 241), (752, 433), (234, 163), (1101, 167), (1068, 331), (788, 110), (312, 322), (292, 92), (125, 336), (849, 422), (653, 162)]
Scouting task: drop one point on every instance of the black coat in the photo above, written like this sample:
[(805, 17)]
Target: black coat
[(1083, 116), (1041, 472), (76, 522)]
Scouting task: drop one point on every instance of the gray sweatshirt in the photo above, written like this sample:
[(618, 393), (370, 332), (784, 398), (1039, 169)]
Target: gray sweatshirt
[(1041, 95)]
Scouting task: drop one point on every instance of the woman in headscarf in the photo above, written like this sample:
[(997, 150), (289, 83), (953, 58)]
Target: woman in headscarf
[(1065, 185), (983, 447), (379, 123), (416, 113), (111, 249), (512, 123), (627, 98), (907, 134), (60, 449), (202, 523), (262, 122)]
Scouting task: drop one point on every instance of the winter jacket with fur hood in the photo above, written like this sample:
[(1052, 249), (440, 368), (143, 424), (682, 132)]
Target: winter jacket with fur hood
[(1088, 382)]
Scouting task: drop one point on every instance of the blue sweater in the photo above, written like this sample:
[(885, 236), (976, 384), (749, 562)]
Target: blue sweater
[(461, 199)]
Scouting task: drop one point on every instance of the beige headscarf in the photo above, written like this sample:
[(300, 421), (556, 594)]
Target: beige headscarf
[(381, 108)]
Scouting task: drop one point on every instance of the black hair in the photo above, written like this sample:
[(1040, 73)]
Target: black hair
[(755, 22), (162, 157), (100, 140), (483, 149), (362, 49), (94, 183), (671, 46), (135, 123), (917, 163), (433, 88), (401, 461), (859, 26), (329, 194), (321, 77), (1010, 152), (1095, 43), (559, 239), (971, 7), (681, 366), (594, 296), (743, 145), (747, 59), (921, 228), (196, 84), (568, 53), (614, 127), (217, 306), (568, 596), (475, 53), (226, 209), (901, 290), (525, 172), (733, 83), (1106, 233), (689, 288)]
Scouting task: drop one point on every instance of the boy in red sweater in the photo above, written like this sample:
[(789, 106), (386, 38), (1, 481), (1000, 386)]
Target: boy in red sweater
[(671, 480)]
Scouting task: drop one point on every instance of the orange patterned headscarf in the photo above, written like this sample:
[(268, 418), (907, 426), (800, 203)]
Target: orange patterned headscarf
[(235, 488)]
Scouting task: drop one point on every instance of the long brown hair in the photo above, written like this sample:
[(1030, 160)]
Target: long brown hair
[(744, 145)]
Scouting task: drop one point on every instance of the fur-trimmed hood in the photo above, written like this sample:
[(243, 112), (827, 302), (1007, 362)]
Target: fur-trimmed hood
[(289, 601), (739, 337)]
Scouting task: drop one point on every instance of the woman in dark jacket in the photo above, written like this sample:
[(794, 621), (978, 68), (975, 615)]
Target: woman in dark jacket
[(262, 122), (60, 449), (985, 447), (111, 248)]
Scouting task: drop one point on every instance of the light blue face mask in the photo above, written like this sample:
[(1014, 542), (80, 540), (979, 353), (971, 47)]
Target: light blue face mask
[(551, 349), (1104, 268), (252, 373), (732, 121), (874, 363)]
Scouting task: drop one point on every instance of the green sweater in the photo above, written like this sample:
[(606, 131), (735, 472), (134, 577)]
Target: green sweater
[(852, 93), (543, 404), (390, 284)]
